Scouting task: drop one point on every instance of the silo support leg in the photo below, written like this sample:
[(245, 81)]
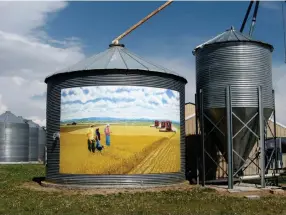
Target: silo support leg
[(202, 138), (261, 142), (229, 138)]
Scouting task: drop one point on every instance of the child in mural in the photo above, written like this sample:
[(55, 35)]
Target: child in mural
[(107, 134), (90, 139), (98, 146)]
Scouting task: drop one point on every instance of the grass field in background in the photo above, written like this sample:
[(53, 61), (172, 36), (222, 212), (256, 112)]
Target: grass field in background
[(139, 149), (17, 199)]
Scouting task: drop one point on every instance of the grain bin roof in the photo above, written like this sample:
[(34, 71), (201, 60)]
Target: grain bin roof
[(32, 124), (115, 57), (9, 117), (231, 35)]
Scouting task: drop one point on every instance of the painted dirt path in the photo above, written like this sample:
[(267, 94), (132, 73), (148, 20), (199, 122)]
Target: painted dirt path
[(163, 158)]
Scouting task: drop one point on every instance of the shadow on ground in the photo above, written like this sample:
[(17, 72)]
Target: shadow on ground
[(38, 180)]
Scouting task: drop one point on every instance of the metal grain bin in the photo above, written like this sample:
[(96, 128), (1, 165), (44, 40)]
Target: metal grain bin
[(232, 58), (33, 140), (41, 144), (14, 139), (116, 66)]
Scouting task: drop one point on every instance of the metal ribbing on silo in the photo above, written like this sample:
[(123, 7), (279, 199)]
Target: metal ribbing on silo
[(106, 78), (33, 140), (243, 65), (2, 141), (14, 139), (41, 144)]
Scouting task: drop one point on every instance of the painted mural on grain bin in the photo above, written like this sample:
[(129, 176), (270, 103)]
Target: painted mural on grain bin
[(119, 130)]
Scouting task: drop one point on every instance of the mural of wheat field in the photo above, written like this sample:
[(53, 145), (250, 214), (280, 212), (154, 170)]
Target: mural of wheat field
[(119, 130)]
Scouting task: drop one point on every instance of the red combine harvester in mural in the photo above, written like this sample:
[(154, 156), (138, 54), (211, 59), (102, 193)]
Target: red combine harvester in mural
[(156, 124), (167, 127), (163, 124)]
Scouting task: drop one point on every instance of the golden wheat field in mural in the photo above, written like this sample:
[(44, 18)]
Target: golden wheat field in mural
[(134, 149)]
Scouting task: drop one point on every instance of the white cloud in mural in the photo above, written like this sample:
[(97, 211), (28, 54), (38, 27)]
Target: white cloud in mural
[(120, 102)]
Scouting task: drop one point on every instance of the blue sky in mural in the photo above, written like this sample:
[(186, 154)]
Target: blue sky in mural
[(120, 102)]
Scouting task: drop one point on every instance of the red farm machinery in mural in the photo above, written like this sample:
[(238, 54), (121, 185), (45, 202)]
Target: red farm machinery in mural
[(156, 124), (166, 126)]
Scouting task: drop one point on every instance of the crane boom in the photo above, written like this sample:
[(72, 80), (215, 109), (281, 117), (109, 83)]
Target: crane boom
[(116, 40)]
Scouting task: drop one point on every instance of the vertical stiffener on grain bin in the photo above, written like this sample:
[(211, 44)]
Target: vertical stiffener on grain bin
[(14, 139), (41, 144), (33, 140), (116, 70), (233, 59)]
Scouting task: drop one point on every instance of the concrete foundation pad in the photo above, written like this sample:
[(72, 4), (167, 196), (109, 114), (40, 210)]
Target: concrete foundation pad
[(277, 191), (26, 162), (252, 197), (239, 188), (233, 191), (242, 187), (130, 187)]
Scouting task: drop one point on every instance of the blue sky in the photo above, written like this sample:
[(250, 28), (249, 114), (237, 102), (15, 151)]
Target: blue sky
[(170, 36), (38, 38), (127, 102), (178, 28)]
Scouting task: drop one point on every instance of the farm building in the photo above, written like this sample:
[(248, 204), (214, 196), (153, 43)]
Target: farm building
[(190, 118), (192, 142)]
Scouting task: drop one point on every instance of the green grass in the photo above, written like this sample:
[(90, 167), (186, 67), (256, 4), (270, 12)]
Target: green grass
[(17, 200)]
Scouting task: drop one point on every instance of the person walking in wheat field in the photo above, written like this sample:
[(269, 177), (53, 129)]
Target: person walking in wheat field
[(98, 146), (90, 139), (107, 135)]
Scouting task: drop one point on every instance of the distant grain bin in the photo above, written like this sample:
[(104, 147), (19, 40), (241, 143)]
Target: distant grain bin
[(14, 139), (113, 97), (42, 143), (33, 140), (232, 58)]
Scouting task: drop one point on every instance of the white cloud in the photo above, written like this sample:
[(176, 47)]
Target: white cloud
[(23, 18), (184, 67), (28, 55), (19, 97), (32, 59), (279, 80), (140, 104), (40, 122)]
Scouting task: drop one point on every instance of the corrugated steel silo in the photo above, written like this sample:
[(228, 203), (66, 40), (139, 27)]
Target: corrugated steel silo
[(232, 58), (42, 144), (14, 134), (116, 66), (33, 140)]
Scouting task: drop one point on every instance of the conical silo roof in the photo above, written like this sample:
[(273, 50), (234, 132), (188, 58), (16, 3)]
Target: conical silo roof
[(9, 117), (230, 35), (115, 57), (32, 124)]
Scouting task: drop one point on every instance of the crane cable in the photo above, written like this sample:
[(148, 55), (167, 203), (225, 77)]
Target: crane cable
[(283, 20)]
